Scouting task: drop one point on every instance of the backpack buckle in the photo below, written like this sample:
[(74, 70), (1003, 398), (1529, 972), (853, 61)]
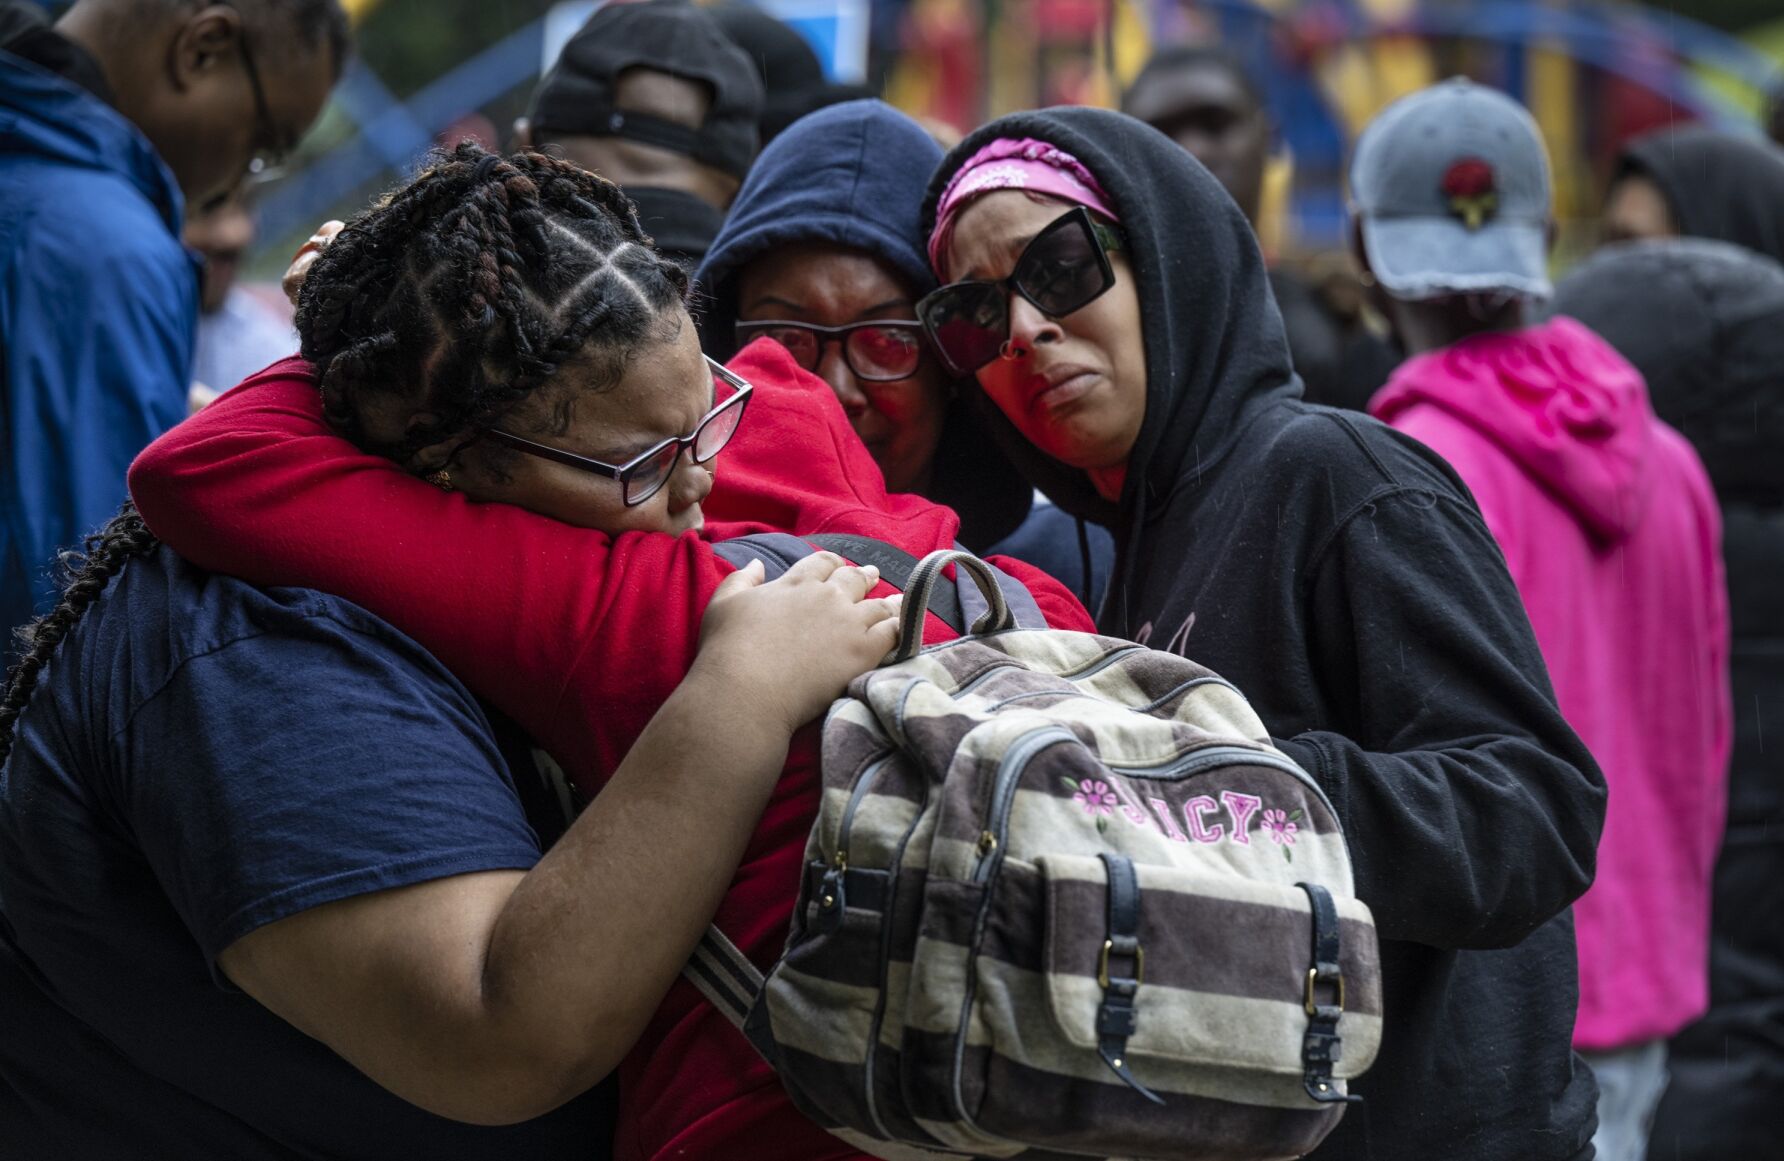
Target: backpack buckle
[(1319, 974), (1137, 954)]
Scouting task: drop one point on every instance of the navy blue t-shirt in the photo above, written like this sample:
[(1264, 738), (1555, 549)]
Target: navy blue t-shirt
[(202, 758), (1048, 539)]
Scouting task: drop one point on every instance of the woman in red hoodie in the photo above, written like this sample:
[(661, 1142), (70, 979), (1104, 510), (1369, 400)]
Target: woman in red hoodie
[(503, 328)]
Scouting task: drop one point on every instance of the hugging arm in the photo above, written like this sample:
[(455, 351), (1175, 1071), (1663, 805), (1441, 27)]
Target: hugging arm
[(258, 486), (1471, 808), (564, 629), (493, 997)]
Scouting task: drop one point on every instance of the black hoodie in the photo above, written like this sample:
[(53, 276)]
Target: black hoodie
[(1717, 185), (1342, 577)]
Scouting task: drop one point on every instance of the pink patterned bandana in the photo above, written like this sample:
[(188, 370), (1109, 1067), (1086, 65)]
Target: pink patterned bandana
[(1014, 163)]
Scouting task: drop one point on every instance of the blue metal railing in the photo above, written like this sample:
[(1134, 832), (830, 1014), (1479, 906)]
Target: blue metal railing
[(394, 134)]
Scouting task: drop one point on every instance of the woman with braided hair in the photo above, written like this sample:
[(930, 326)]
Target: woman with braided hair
[(502, 329), (186, 760), (205, 787)]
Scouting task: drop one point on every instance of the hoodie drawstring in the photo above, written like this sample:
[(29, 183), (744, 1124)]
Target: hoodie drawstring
[(1125, 557), (1087, 584)]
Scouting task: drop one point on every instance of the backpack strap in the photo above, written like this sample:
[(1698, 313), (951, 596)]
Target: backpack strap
[(925, 582), (730, 983), (896, 568), (1116, 1018), (1320, 1047), (1024, 610), (957, 605), (779, 551)]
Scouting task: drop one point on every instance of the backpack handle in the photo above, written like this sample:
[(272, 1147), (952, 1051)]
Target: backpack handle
[(924, 578)]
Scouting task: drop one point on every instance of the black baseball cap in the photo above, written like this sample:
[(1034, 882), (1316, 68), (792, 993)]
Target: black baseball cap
[(666, 36)]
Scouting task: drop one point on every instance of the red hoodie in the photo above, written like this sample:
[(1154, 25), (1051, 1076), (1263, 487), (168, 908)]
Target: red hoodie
[(578, 636)]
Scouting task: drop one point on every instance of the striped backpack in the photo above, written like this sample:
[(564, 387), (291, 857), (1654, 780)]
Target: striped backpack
[(1063, 899)]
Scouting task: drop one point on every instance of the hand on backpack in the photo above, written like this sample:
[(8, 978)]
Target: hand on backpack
[(795, 643)]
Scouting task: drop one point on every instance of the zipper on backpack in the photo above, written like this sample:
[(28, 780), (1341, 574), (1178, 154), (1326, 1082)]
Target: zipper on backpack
[(1097, 666), (980, 678), (1192, 683), (840, 860), (1003, 792), (1221, 755), (833, 888)]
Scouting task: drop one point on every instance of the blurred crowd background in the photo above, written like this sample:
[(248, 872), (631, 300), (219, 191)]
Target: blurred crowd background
[(1270, 95), (1594, 74)]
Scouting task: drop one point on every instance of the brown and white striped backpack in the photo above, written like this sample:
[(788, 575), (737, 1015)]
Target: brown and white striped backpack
[(1063, 899)]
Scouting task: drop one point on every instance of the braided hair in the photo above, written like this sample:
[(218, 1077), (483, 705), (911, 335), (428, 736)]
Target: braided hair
[(89, 569), (465, 290)]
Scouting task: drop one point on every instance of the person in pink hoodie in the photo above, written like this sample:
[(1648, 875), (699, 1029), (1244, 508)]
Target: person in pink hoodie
[(1609, 527)]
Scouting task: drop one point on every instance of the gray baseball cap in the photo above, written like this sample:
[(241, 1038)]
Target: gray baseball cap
[(1451, 188)]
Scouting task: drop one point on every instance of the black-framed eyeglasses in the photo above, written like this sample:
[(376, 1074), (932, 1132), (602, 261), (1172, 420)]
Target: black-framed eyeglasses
[(877, 351), (644, 475), (1063, 268), (269, 153)]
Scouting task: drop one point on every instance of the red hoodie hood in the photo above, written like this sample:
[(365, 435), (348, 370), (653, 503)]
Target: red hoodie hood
[(1559, 401)]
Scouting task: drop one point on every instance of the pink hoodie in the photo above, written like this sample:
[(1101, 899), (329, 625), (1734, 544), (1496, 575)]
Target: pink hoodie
[(1610, 529)]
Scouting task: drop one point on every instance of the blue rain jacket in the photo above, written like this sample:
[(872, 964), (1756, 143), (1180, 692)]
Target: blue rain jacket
[(98, 310)]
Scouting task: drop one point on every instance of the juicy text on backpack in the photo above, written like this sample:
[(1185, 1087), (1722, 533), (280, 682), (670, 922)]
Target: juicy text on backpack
[(1063, 899)]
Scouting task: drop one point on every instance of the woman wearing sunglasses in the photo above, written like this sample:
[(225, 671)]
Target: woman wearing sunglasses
[(502, 328), (822, 253), (1112, 304)]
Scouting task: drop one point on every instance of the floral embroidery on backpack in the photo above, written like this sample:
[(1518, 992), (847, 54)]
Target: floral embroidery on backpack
[(1280, 826), (1095, 796)]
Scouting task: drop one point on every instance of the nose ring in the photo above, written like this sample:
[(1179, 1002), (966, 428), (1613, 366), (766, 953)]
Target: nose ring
[(1011, 350)]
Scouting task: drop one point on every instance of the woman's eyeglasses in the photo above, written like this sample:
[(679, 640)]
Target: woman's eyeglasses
[(1063, 268), (877, 351), (644, 475)]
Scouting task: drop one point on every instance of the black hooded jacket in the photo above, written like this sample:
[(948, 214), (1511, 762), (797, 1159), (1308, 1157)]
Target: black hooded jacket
[(680, 224), (1717, 185), (1704, 323), (1342, 577)]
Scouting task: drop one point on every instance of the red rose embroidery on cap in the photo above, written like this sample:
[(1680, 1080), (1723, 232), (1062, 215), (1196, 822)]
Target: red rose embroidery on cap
[(1469, 186)]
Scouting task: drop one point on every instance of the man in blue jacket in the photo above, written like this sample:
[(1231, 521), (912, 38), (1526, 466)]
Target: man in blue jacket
[(111, 122)]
